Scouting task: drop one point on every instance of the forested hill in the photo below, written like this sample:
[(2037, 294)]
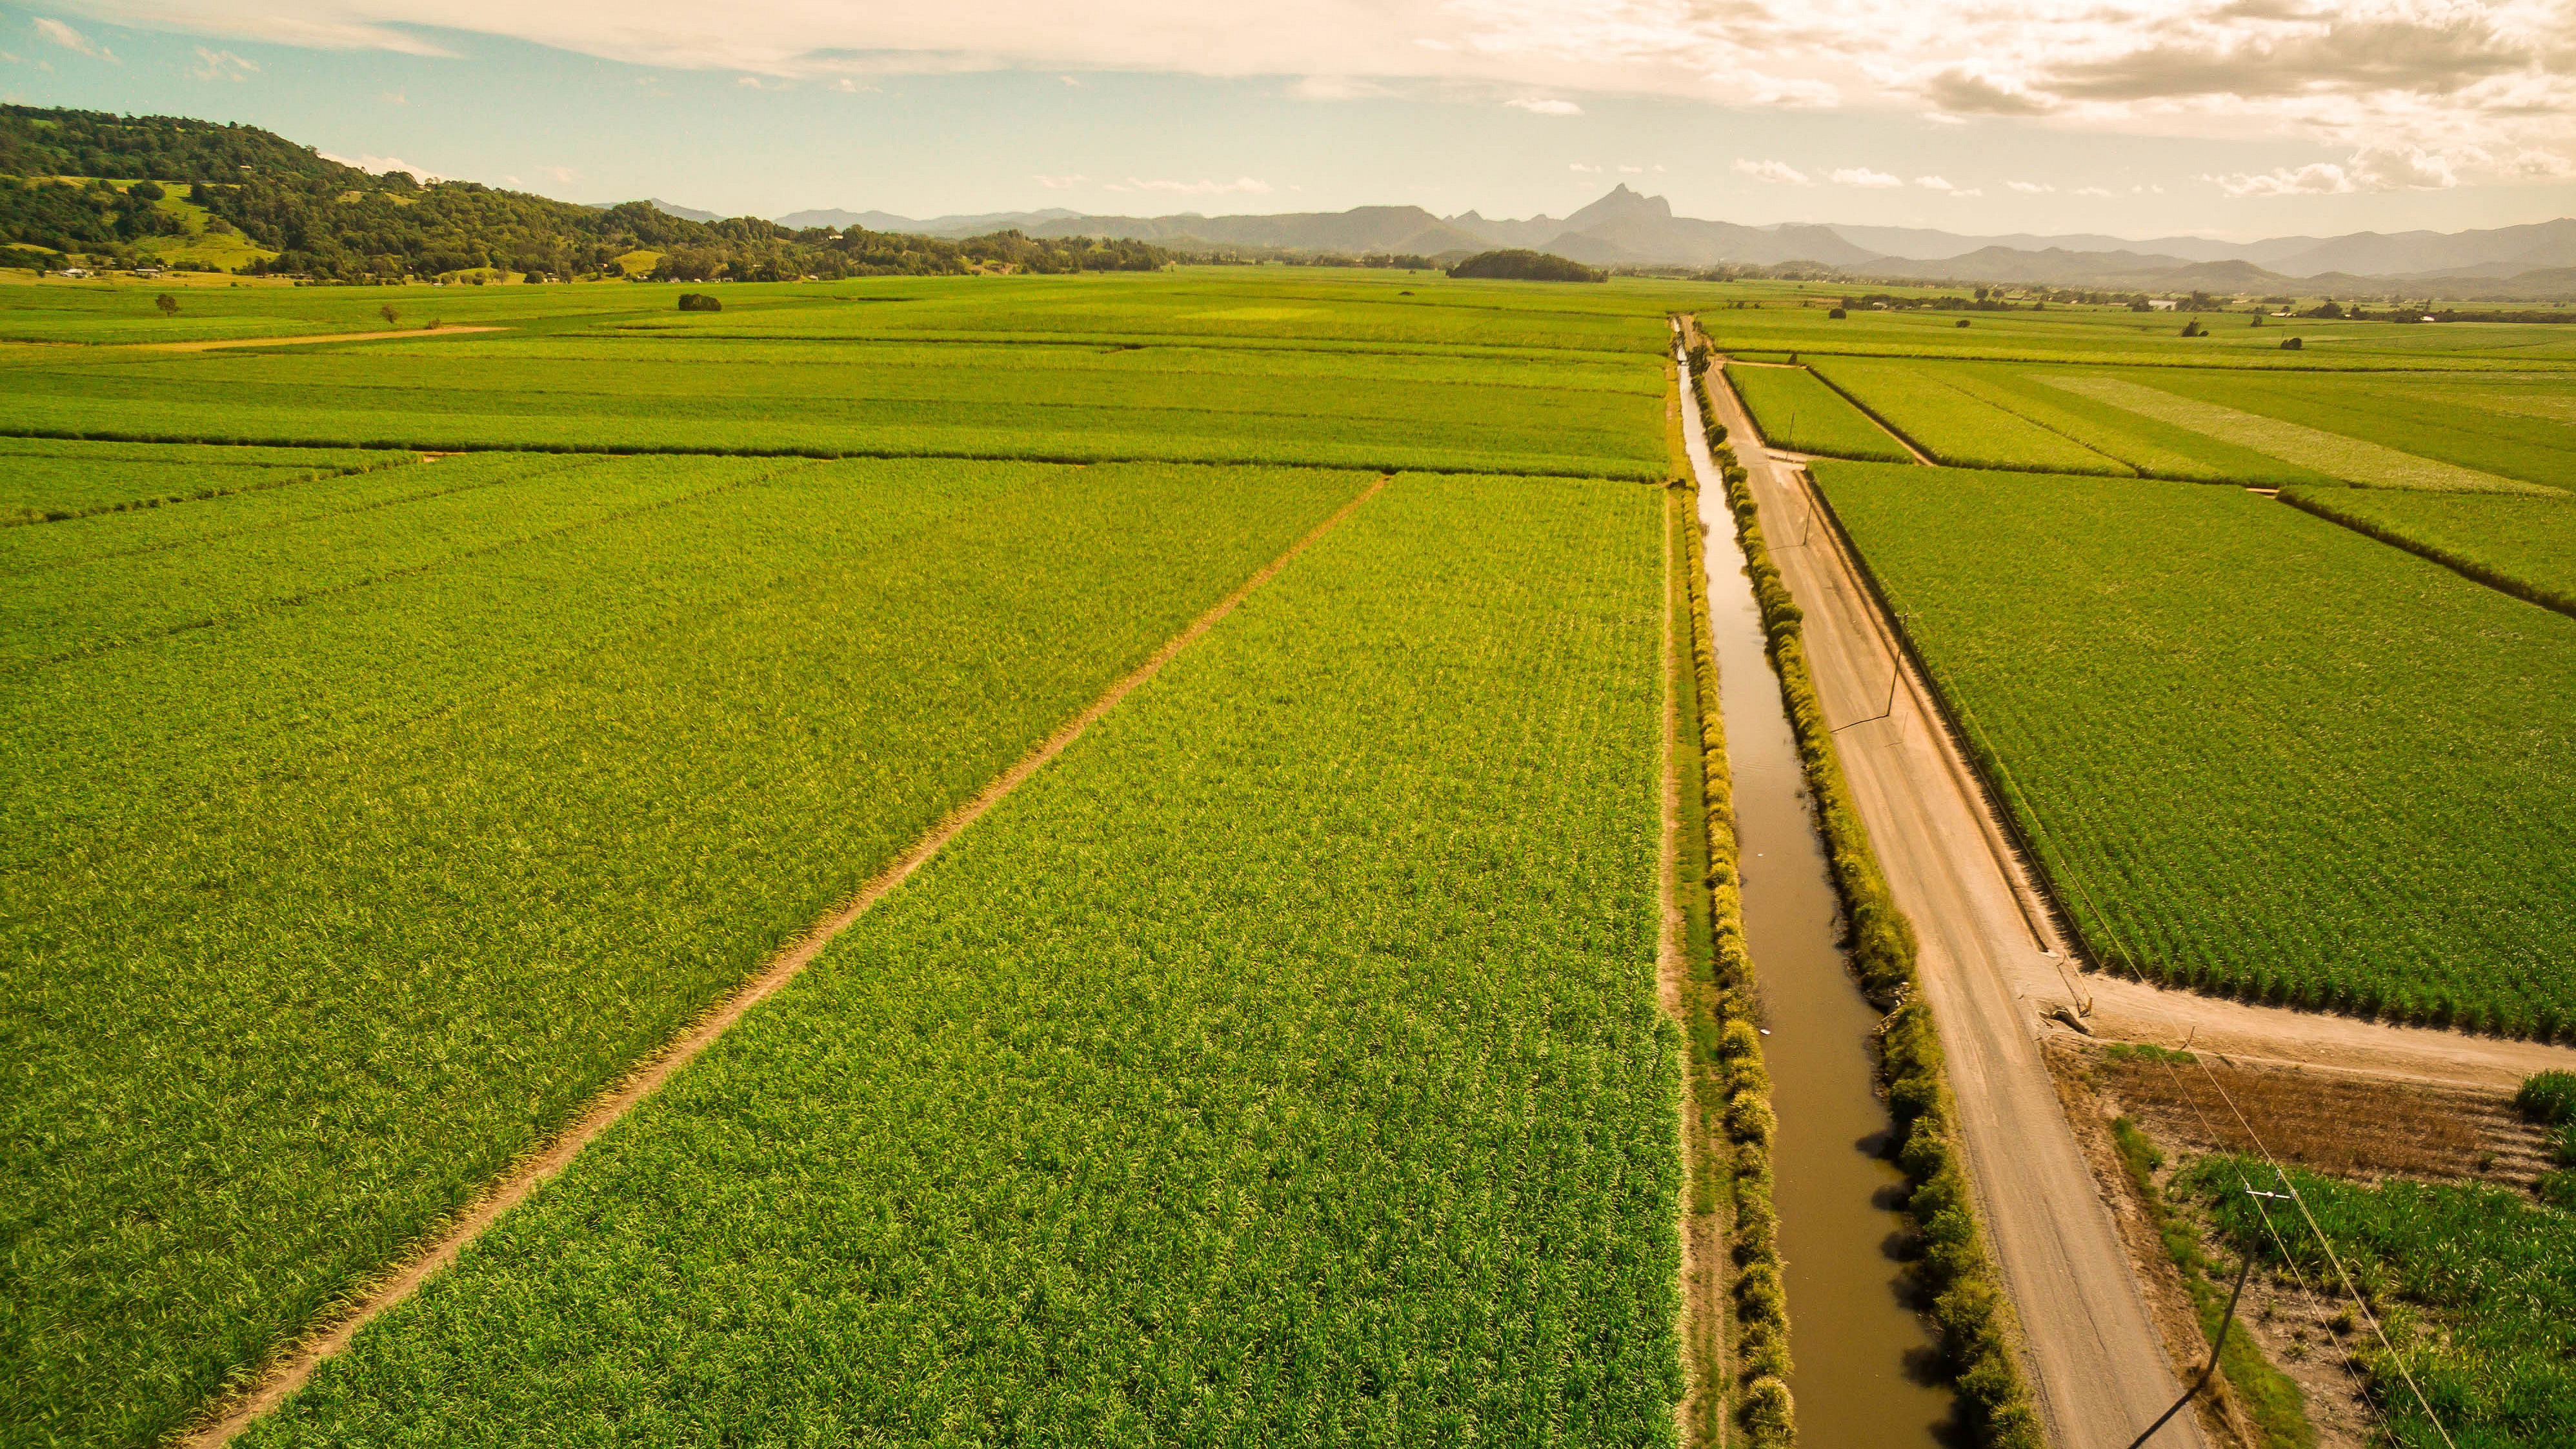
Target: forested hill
[(259, 202)]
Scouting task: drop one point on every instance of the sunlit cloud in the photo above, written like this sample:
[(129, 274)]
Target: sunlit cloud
[(379, 165), (2373, 168), (2029, 188), (222, 65), (1862, 176), (72, 40), (1549, 107), (1777, 172), (1241, 185), (1059, 183)]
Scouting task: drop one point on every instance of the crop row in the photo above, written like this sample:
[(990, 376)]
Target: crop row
[(322, 912), (1795, 411), (2237, 779), (1281, 1065), (2524, 546)]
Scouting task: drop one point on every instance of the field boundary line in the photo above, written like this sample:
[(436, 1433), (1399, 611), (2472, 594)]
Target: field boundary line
[(291, 1369), (1891, 429), (2305, 500), (834, 455)]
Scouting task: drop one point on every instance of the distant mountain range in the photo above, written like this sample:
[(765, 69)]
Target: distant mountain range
[(1625, 228)]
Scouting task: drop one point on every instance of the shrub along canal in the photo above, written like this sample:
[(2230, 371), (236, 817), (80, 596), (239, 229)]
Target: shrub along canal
[(1865, 1362)]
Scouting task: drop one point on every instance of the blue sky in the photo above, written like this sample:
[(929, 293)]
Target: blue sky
[(2295, 126)]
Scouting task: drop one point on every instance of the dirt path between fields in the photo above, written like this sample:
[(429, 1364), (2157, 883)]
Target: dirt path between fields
[(211, 345), (293, 1366), (2095, 1358)]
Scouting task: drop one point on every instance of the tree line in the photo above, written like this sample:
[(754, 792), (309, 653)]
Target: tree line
[(333, 222)]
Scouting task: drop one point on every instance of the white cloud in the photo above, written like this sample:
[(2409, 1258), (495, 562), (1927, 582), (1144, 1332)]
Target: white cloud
[(1863, 176), (2028, 188), (2401, 168), (2092, 191), (395, 98), (1059, 183), (560, 174), (72, 40), (2545, 164), (2372, 168), (2318, 178), (2440, 76), (1241, 185), (1778, 172), (1579, 166), (218, 65), (1068, 80), (1546, 107), (379, 165), (1934, 183)]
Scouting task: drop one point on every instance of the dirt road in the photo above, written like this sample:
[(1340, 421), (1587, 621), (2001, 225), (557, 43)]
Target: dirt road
[(2096, 1361), (212, 344)]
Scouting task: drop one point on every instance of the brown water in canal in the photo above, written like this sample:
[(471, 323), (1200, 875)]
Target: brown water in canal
[(1861, 1353)]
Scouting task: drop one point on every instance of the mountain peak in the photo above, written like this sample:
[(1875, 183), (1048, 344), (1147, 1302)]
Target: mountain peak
[(1620, 204)]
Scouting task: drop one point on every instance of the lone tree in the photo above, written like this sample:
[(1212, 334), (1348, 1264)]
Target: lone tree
[(1521, 265), (699, 302), (168, 304), (389, 314)]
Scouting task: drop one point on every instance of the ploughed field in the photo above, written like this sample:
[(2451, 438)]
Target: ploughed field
[(1285, 1057)]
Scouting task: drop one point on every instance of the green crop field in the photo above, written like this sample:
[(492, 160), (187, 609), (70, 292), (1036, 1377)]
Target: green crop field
[(1795, 411), (2525, 546), (1957, 427), (391, 806), (2260, 753), (349, 874), (951, 385), (1281, 1065)]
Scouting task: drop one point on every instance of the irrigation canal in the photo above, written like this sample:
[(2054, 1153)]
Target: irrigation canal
[(1862, 1355)]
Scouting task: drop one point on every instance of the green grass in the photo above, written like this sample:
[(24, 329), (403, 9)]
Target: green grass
[(2260, 753), (2475, 1285), (315, 915), (2334, 454), (1795, 411), (1281, 1066), (2525, 546), (1954, 426)]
